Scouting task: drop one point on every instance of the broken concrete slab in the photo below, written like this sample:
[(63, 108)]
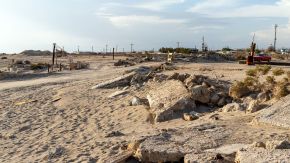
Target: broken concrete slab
[(121, 81), (205, 157), (168, 99), (201, 93), (233, 107), (170, 146), (276, 115), (228, 149), (117, 93), (261, 155)]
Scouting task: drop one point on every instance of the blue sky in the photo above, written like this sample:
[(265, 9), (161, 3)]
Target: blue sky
[(36, 24)]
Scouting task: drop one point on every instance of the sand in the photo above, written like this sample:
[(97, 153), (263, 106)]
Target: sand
[(59, 118)]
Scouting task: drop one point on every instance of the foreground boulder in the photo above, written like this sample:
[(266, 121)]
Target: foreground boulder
[(173, 145), (276, 115), (201, 93), (169, 100), (261, 155)]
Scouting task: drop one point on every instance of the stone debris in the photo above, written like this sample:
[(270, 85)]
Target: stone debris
[(253, 107), (206, 157), (189, 117), (228, 149), (261, 155), (167, 99), (201, 94), (173, 146), (276, 115), (121, 81), (56, 152), (117, 94), (233, 107)]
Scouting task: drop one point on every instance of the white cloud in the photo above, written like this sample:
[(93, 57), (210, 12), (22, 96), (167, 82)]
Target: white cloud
[(125, 21), (158, 5), (231, 8)]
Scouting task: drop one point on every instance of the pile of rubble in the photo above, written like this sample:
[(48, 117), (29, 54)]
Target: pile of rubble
[(173, 96)]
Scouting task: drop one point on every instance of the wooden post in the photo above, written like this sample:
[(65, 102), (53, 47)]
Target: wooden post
[(53, 55), (113, 53)]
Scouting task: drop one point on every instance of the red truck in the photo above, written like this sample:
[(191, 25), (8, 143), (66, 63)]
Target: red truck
[(262, 57)]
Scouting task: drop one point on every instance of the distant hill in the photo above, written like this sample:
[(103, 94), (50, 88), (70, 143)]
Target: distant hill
[(35, 53)]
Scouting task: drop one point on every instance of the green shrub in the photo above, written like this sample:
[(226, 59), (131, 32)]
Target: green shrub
[(278, 72)]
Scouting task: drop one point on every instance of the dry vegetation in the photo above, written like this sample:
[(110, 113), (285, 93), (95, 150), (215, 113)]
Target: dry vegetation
[(253, 83)]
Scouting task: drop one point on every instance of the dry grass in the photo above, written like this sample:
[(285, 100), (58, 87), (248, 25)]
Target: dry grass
[(278, 72), (252, 72), (281, 90), (270, 80), (263, 69), (238, 90)]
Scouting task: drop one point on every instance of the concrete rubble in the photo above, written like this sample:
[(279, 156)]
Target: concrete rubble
[(276, 115), (169, 99), (174, 145)]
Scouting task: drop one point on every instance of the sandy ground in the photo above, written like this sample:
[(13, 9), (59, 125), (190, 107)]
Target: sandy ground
[(61, 113)]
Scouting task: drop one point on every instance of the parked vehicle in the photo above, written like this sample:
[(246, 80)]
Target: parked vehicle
[(262, 57)]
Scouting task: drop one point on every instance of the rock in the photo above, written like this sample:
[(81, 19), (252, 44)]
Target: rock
[(261, 155), (263, 97), (190, 81), (222, 102), (228, 149), (253, 107), (200, 93), (276, 115), (168, 99), (258, 145), (233, 107), (117, 93), (205, 157), (277, 145), (114, 134), (136, 101), (172, 146), (56, 152), (214, 99), (121, 81), (189, 117), (120, 157), (177, 76)]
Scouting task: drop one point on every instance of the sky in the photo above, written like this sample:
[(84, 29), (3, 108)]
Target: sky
[(148, 24)]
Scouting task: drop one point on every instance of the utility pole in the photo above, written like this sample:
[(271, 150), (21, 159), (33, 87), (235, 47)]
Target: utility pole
[(132, 47), (178, 43), (53, 55), (113, 53), (92, 49), (106, 50), (275, 39), (78, 49)]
